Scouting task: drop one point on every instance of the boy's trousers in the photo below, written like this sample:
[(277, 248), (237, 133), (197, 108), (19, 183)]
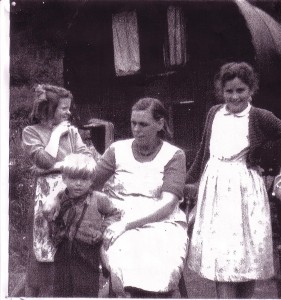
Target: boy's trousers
[(76, 270)]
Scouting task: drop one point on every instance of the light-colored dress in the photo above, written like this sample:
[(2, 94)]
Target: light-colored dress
[(232, 236), (150, 257)]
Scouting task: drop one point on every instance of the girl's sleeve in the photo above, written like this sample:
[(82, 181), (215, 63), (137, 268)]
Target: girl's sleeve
[(35, 149), (106, 208), (196, 169), (105, 167), (270, 152), (78, 144), (175, 174)]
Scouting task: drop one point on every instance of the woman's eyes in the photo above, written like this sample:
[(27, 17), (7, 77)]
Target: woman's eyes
[(140, 124), (239, 91)]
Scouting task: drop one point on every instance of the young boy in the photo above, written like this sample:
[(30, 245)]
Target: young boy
[(77, 231)]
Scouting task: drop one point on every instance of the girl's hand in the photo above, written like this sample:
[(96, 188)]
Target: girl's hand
[(62, 128), (51, 209), (112, 232)]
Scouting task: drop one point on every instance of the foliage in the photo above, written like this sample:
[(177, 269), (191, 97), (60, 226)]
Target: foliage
[(34, 65)]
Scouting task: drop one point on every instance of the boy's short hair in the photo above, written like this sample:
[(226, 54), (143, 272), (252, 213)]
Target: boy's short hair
[(78, 165)]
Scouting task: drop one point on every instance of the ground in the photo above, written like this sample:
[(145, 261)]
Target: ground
[(205, 289)]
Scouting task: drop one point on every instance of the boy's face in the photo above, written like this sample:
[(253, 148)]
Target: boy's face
[(77, 187)]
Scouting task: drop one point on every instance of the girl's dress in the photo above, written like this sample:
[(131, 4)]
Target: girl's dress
[(48, 185), (232, 237), (150, 257)]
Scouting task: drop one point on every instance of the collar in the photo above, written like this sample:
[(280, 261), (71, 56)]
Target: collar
[(76, 200), (240, 114)]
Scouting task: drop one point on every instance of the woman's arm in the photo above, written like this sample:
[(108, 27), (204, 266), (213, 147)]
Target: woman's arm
[(172, 191), (105, 168), (162, 209)]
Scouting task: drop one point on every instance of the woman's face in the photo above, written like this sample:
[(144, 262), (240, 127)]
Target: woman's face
[(62, 112), (144, 127), (236, 95)]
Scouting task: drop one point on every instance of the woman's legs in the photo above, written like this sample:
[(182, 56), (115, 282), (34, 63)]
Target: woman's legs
[(235, 290)]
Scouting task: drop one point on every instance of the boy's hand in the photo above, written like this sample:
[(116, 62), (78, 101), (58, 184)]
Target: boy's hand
[(112, 232), (88, 234)]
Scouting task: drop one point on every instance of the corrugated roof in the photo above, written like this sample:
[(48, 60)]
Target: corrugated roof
[(266, 37)]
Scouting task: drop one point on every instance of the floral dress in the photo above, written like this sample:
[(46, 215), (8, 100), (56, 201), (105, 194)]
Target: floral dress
[(232, 236)]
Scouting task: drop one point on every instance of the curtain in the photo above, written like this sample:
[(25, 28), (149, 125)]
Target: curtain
[(176, 37), (126, 43)]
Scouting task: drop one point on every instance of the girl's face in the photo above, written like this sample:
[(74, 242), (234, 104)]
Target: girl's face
[(144, 127), (236, 95), (62, 112)]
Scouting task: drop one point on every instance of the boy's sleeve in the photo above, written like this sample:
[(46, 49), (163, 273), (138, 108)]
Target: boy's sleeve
[(108, 210)]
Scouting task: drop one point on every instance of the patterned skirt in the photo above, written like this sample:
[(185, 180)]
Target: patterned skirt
[(232, 236), (46, 189)]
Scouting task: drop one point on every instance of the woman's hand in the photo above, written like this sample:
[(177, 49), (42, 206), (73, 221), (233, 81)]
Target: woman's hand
[(112, 232)]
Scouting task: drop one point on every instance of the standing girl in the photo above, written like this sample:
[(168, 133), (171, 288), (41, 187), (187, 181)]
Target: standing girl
[(47, 142), (232, 238)]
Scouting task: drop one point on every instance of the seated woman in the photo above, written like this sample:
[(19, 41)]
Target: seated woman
[(145, 252)]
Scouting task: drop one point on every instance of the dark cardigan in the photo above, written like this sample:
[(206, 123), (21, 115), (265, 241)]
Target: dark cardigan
[(265, 143)]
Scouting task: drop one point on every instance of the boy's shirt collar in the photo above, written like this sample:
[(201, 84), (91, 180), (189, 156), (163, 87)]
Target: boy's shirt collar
[(76, 200)]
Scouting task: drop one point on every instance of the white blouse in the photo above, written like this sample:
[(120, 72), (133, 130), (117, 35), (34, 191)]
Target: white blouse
[(230, 133)]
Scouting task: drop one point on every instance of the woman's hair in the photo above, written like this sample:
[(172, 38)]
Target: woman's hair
[(158, 112), (46, 101), (78, 166), (241, 70)]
